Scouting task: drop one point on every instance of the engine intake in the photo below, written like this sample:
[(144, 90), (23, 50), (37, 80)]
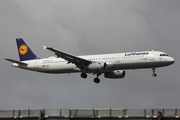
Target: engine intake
[(115, 74)]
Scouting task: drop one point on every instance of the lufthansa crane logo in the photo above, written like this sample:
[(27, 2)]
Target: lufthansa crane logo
[(23, 49)]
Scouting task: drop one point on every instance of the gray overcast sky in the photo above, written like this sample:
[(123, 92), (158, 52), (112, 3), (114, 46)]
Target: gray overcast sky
[(84, 27)]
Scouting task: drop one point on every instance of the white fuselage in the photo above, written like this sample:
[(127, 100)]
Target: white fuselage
[(118, 61)]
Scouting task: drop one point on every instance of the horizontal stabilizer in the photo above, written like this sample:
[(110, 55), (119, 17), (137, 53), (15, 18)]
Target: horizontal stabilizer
[(15, 61)]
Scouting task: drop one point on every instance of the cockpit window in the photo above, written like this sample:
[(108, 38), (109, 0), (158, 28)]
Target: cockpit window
[(164, 55)]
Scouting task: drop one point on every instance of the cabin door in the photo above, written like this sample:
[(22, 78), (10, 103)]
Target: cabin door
[(117, 59), (36, 65)]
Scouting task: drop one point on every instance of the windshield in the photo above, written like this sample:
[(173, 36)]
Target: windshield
[(164, 55)]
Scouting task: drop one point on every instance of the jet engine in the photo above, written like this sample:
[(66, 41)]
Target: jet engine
[(115, 74)]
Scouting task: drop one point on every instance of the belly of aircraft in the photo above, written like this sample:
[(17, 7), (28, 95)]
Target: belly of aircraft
[(121, 66)]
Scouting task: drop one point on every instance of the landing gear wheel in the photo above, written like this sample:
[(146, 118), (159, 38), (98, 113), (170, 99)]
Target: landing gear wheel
[(154, 74), (84, 75), (154, 70), (97, 80)]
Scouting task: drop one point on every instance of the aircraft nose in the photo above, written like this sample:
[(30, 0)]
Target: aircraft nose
[(171, 60)]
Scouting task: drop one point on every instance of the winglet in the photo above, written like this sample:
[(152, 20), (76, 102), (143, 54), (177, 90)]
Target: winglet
[(44, 47)]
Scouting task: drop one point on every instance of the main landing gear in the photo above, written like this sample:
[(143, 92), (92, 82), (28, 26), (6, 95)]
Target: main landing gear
[(96, 80), (154, 70), (84, 75)]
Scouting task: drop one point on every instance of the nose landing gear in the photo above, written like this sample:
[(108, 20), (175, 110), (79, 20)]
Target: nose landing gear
[(154, 74)]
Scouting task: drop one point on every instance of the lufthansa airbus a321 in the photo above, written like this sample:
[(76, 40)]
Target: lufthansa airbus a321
[(113, 66)]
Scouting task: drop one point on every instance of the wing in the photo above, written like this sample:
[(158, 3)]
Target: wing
[(79, 62)]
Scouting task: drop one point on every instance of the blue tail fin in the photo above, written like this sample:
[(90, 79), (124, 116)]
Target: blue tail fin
[(24, 51)]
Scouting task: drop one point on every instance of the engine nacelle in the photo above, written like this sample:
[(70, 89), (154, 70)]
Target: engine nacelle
[(96, 66), (115, 74)]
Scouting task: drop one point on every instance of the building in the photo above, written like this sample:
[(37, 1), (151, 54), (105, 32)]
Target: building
[(87, 114)]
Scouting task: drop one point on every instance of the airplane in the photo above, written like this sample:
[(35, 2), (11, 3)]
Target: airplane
[(113, 66)]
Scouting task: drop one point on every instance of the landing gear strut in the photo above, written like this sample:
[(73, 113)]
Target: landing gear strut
[(84, 75), (97, 80), (154, 70)]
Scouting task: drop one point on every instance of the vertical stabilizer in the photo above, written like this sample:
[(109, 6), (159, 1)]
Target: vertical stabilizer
[(25, 53)]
